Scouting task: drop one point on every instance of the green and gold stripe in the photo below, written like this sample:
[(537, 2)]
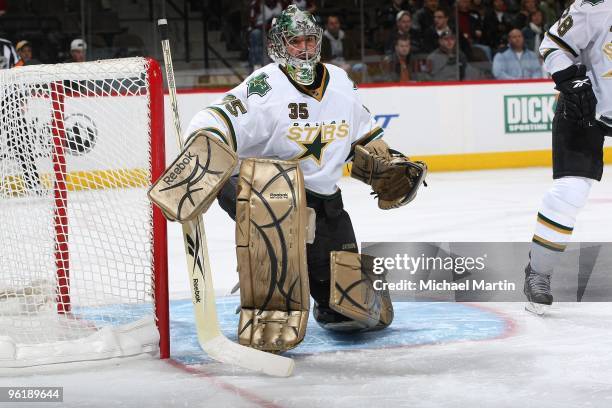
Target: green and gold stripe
[(218, 133), (555, 226), (562, 44), (225, 119), (547, 52), (548, 244)]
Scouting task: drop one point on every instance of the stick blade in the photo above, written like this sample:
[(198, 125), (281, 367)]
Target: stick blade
[(225, 351)]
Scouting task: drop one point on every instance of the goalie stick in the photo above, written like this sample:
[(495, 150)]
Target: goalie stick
[(212, 341)]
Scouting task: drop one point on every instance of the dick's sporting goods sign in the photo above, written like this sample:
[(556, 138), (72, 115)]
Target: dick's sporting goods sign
[(529, 113)]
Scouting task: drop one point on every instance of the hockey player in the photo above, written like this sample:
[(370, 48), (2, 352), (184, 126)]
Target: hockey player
[(294, 124), (577, 51)]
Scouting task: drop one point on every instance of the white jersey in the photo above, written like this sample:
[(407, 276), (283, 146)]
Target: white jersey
[(583, 35), (269, 116)]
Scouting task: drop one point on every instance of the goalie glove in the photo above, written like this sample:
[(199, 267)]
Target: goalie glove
[(393, 177), (578, 98)]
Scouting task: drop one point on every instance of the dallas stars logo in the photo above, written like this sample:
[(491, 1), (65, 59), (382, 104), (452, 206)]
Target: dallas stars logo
[(258, 85), (312, 149)]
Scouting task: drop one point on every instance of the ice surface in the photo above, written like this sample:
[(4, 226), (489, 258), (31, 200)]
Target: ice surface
[(450, 355)]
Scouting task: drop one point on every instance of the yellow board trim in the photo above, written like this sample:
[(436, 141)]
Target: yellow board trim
[(488, 161), (83, 180)]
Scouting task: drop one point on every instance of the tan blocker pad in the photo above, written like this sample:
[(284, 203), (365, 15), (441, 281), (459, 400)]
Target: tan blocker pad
[(271, 218), (352, 292), (191, 183)]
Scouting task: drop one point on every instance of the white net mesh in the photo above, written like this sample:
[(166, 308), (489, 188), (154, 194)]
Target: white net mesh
[(76, 236)]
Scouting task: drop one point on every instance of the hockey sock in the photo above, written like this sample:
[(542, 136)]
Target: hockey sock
[(555, 222)]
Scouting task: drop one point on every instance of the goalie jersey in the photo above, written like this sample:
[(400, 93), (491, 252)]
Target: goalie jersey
[(583, 35), (270, 116)]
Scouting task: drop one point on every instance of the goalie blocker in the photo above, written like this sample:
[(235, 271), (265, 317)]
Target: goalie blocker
[(190, 184)]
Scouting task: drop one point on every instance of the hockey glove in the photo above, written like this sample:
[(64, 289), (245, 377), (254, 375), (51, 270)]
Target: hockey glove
[(578, 98), (393, 177)]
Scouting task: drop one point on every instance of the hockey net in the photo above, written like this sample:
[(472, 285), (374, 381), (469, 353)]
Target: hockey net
[(82, 251)]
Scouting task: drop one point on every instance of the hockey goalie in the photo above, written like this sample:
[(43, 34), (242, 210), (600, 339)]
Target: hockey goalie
[(292, 125)]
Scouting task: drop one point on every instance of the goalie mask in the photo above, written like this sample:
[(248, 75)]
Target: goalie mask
[(294, 42)]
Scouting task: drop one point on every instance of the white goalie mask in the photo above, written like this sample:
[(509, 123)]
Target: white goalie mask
[(294, 42)]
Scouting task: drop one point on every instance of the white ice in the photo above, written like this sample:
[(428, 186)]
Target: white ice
[(562, 360)]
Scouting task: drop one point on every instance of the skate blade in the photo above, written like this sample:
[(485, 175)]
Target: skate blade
[(537, 308)]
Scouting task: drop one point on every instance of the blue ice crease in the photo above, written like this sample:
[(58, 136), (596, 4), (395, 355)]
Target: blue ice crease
[(415, 323)]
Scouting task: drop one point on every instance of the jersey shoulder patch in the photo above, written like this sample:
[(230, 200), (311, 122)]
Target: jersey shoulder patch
[(258, 85)]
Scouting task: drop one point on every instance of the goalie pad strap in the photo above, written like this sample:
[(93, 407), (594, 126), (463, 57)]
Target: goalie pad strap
[(271, 219), (190, 184), (352, 292)]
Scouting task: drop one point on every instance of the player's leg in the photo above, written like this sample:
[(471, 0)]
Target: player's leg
[(334, 232), (577, 161), (227, 197), (341, 280)]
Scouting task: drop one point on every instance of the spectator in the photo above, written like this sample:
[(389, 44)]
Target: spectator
[(24, 50), (423, 18), (260, 17), (78, 49), (522, 18), (443, 62), (534, 32), (8, 57), (431, 34), (336, 47), (403, 27), (478, 6), (470, 26), (387, 16), (516, 62), (396, 67), (497, 23)]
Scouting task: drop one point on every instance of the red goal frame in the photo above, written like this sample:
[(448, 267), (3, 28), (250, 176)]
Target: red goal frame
[(61, 217)]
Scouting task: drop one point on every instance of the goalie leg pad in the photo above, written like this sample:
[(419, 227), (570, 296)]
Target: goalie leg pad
[(271, 219), (352, 293), (191, 183)]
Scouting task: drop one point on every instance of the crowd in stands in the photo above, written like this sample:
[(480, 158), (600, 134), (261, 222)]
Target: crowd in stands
[(424, 40), (392, 40)]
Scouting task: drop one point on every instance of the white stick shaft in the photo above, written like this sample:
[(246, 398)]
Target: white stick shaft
[(212, 341), (165, 43)]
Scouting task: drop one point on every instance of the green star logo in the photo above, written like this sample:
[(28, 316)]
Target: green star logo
[(312, 149), (258, 85)]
